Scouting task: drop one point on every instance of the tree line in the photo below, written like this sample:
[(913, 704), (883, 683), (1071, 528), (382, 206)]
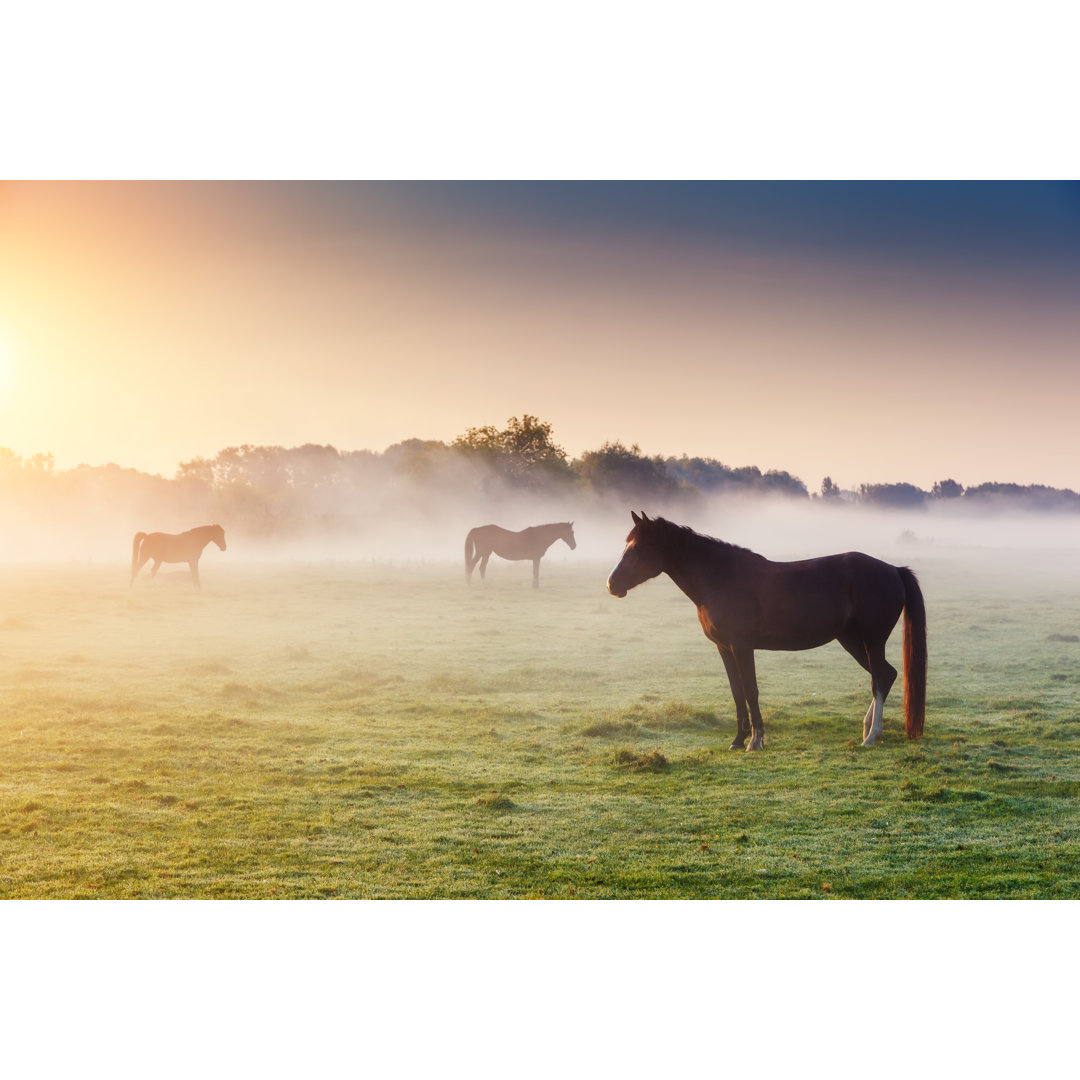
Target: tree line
[(274, 490)]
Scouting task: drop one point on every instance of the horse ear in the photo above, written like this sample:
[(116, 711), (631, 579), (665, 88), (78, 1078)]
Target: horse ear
[(637, 520), (644, 516)]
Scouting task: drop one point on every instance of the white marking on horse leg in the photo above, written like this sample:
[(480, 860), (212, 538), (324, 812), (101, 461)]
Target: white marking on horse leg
[(868, 719), (877, 724)]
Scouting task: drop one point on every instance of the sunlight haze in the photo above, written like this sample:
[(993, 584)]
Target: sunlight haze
[(871, 332)]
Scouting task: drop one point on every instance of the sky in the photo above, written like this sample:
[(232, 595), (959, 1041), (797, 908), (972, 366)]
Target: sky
[(874, 332)]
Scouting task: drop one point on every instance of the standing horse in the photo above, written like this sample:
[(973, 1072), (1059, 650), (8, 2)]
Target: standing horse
[(166, 547), (745, 602), (531, 543)]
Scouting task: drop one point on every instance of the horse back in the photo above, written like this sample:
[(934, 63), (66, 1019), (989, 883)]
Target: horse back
[(805, 604), (176, 547), (503, 542)]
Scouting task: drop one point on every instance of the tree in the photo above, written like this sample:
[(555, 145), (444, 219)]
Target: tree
[(946, 489), (781, 482), (1026, 497), (523, 452), (892, 496), (829, 490), (627, 472), (710, 475)]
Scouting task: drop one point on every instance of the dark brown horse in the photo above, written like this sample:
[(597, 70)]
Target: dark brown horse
[(745, 602), (531, 543), (170, 548)]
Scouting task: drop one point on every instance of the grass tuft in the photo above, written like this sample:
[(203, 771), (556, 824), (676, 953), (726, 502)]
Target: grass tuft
[(672, 716), (497, 802), (651, 761)]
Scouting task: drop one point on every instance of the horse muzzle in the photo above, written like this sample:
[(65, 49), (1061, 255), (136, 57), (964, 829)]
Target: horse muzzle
[(615, 590)]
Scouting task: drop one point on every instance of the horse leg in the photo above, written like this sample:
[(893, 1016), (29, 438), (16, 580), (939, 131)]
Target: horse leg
[(882, 677), (483, 568), (194, 564), (871, 658), (143, 560), (155, 568), (742, 714), (744, 659), (857, 649), (536, 573)]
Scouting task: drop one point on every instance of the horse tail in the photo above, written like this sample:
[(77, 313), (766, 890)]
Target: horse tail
[(139, 538), (914, 655), (470, 555)]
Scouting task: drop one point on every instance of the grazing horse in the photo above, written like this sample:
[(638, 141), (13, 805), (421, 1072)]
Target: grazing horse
[(745, 602), (531, 543), (166, 547)]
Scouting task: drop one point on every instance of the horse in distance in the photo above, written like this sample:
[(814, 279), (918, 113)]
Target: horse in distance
[(174, 548), (746, 602), (531, 543)]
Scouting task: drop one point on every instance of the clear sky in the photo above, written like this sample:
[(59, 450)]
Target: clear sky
[(873, 332)]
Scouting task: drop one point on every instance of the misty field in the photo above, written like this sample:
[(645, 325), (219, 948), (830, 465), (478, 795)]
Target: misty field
[(379, 730)]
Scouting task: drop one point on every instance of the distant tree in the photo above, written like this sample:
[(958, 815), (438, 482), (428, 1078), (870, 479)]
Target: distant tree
[(42, 463), (197, 471), (267, 489), (946, 489), (312, 466), (1022, 497), (709, 475), (626, 471), (829, 490), (524, 452), (415, 457), (706, 474), (485, 440), (780, 482), (36, 466), (32, 477), (892, 496)]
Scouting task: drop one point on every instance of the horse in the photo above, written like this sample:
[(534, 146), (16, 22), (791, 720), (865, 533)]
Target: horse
[(531, 543), (746, 602), (167, 547)]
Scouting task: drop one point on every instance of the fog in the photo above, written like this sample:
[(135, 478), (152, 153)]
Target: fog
[(399, 520)]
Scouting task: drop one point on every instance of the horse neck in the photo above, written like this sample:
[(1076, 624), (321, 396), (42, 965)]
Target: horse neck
[(550, 533), (692, 562)]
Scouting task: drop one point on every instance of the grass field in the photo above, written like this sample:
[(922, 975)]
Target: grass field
[(380, 730)]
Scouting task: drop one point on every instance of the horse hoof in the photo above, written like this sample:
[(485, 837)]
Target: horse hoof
[(738, 744)]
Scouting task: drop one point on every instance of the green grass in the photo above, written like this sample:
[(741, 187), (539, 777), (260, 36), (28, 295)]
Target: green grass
[(352, 730)]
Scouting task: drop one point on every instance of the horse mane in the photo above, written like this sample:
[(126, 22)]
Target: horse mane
[(685, 535), (547, 525)]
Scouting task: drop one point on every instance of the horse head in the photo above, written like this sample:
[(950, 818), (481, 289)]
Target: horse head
[(566, 532), (642, 558), (218, 536)]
